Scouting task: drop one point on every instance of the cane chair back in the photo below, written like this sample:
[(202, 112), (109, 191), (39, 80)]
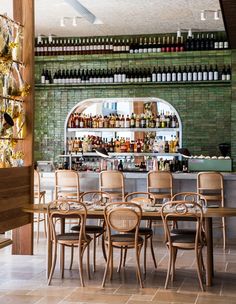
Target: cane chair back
[(190, 197), (112, 181), (39, 198), (160, 184), (63, 209), (183, 211), (97, 199), (67, 184), (122, 222), (145, 200), (211, 186)]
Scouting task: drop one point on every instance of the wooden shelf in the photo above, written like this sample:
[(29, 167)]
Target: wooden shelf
[(10, 138), (11, 98), (136, 84), (122, 129), (128, 56), (119, 154)]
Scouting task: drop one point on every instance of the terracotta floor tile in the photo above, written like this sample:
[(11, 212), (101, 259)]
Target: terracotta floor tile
[(97, 298), (170, 296), (210, 299), (19, 299)]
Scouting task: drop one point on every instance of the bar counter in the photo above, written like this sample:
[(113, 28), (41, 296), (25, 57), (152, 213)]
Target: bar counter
[(136, 181)]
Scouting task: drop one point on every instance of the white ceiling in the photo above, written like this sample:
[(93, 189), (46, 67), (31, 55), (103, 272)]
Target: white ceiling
[(123, 17)]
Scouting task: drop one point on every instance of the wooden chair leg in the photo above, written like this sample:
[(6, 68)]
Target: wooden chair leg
[(224, 232), (62, 260), (199, 272), (137, 254), (107, 266), (71, 257), (169, 267), (88, 268), (152, 252), (125, 255), (145, 255), (94, 251), (80, 260), (54, 259), (121, 259), (104, 248), (111, 262), (38, 226), (175, 251)]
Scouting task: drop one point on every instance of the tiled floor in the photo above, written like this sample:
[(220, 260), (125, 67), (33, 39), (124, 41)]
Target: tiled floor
[(23, 281)]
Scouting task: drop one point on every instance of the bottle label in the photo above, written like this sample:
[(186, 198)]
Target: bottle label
[(184, 76), (179, 78), (205, 76), (154, 77), (199, 76), (158, 77), (190, 77), (173, 78), (43, 79), (194, 76), (163, 77), (228, 77), (216, 75), (210, 75)]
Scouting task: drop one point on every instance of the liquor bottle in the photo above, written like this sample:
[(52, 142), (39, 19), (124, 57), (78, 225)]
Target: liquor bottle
[(120, 166), (216, 44), (225, 43), (221, 43), (55, 78), (132, 121), (192, 43), (127, 122), (140, 48), (150, 45), (154, 45), (145, 45), (47, 79), (137, 122)]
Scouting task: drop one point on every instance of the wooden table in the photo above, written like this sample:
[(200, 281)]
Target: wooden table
[(209, 214)]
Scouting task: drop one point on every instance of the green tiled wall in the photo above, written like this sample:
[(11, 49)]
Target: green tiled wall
[(208, 112)]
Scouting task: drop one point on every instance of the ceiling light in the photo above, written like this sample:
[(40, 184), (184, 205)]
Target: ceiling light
[(39, 39), (203, 15), (62, 22), (74, 21), (217, 15), (178, 33), (83, 11)]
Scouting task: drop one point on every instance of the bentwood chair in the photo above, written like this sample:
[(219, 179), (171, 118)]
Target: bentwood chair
[(66, 209), (67, 184), (143, 199), (183, 211), (160, 184), (211, 186), (122, 232), (96, 198), (112, 181), (39, 198)]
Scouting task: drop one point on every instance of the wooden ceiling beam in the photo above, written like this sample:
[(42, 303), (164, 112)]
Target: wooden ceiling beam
[(228, 8)]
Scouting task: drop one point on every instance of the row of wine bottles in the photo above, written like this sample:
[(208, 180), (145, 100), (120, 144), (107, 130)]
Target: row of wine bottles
[(122, 145), (160, 120), (125, 75), (133, 45)]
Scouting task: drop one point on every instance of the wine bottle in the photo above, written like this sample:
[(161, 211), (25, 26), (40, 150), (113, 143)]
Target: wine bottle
[(228, 73), (216, 73), (163, 75), (173, 75), (168, 75), (185, 74), (210, 73), (159, 76), (43, 81), (195, 73), (179, 74), (199, 73), (205, 74), (154, 75), (190, 74)]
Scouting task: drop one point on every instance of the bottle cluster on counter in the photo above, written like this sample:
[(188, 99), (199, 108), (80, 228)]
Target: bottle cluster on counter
[(122, 145), (160, 120), (134, 75), (134, 45)]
